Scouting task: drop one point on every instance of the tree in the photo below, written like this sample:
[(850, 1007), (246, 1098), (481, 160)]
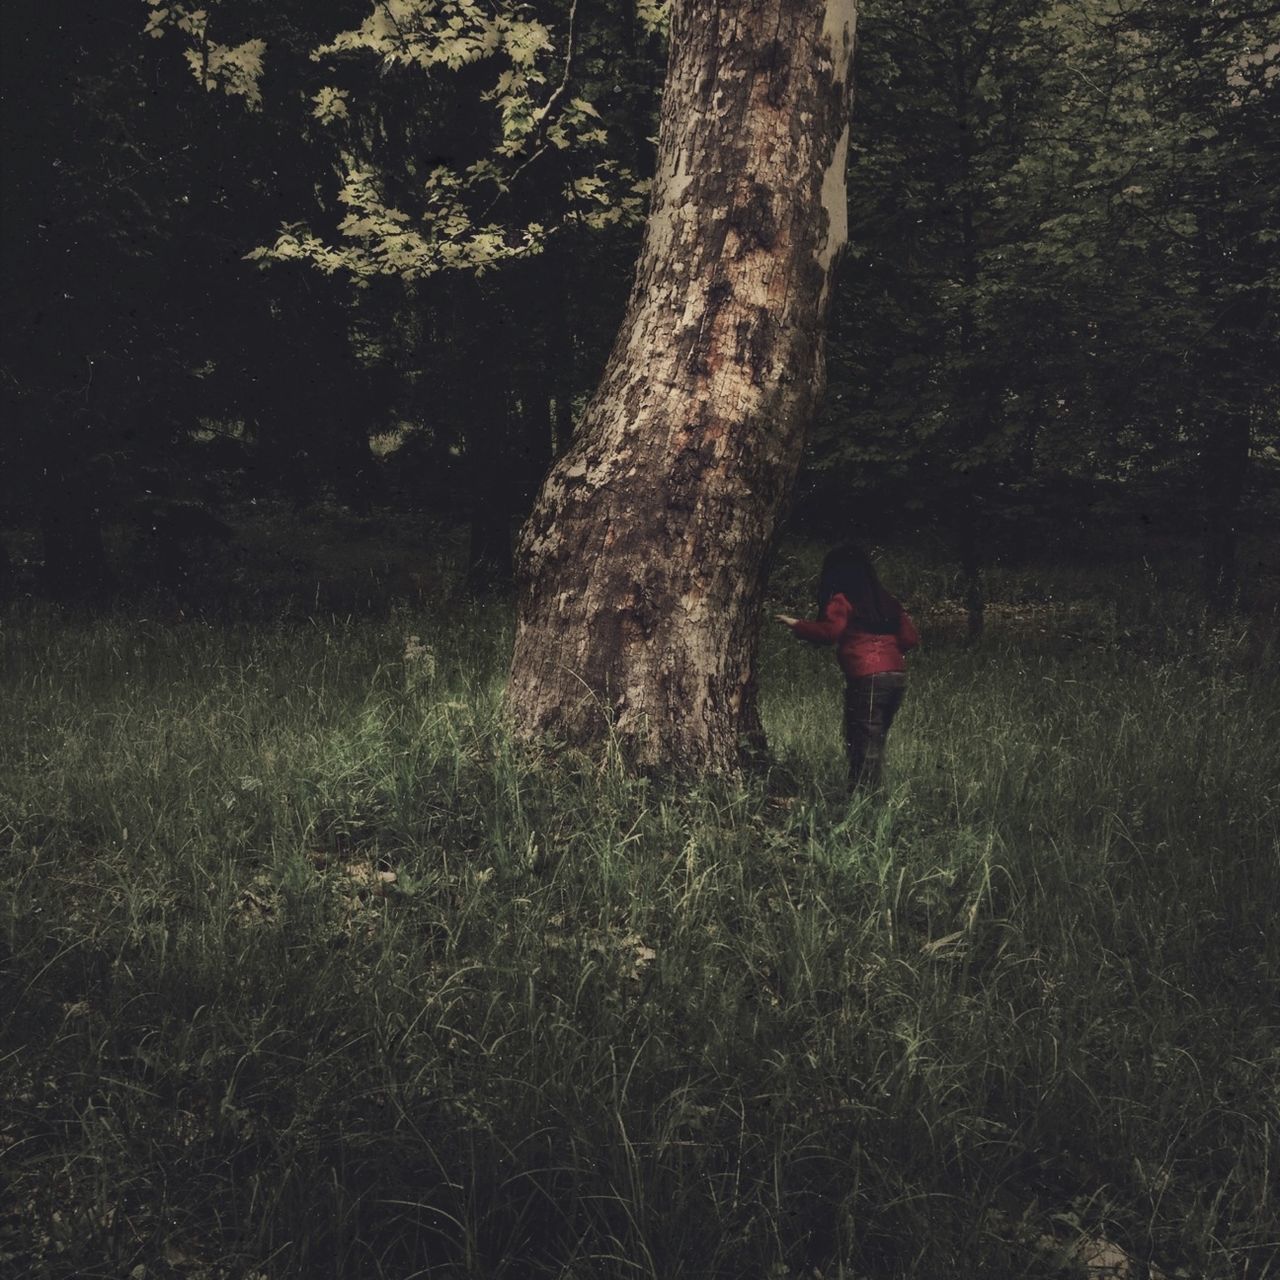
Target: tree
[(430, 153), (1184, 206), (940, 344), (1154, 213), (1064, 273), (471, 160), (131, 320), (78, 281), (641, 569)]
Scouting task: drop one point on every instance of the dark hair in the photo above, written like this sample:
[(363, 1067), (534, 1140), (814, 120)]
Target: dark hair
[(847, 571)]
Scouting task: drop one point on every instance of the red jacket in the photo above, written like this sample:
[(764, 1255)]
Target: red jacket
[(860, 653)]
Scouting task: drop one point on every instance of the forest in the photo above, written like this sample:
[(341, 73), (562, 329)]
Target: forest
[(422, 854)]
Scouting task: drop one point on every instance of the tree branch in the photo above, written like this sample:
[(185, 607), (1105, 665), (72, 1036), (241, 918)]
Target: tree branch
[(558, 92)]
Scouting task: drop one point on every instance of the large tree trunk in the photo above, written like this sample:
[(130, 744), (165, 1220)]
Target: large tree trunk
[(640, 570)]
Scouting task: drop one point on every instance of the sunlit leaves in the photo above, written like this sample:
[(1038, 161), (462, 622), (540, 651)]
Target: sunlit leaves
[(601, 198), (331, 104), (462, 216), (378, 239), (429, 35), (654, 15), (234, 70), (425, 34)]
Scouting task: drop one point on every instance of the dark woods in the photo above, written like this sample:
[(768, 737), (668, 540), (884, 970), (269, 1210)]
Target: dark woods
[(309, 968), (1054, 333), (175, 409)]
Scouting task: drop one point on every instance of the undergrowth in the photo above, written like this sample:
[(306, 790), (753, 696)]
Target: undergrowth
[(308, 973)]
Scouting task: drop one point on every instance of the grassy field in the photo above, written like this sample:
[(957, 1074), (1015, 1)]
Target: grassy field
[(307, 973)]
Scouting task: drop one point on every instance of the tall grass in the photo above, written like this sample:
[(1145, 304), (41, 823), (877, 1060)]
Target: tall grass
[(308, 973)]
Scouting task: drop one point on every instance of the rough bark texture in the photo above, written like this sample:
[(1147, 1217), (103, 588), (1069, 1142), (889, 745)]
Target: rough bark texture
[(640, 571)]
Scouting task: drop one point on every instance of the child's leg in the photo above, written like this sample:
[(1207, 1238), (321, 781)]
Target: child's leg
[(891, 689), (858, 728), (870, 705)]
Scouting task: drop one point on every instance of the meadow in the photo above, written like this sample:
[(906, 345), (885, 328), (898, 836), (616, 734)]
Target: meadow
[(308, 973)]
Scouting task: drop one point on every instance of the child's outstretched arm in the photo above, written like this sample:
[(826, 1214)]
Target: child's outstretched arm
[(827, 629)]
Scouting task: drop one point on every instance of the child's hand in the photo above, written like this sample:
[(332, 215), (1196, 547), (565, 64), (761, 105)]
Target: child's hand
[(785, 619)]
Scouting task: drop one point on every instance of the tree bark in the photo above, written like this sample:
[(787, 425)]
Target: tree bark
[(640, 570)]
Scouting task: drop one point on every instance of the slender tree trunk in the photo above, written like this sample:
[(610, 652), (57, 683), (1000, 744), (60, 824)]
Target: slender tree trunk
[(975, 597), (560, 372), (640, 571), (490, 486), (1227, 467)]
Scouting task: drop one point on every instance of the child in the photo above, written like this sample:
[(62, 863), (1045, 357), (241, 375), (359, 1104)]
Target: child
[(871, 632)]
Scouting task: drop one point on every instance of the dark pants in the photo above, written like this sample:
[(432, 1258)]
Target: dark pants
[(870, 703)]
